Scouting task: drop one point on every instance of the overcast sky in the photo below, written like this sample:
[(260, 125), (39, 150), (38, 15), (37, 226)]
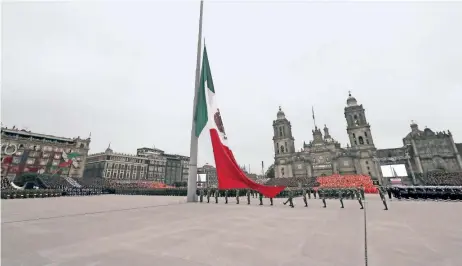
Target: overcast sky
[(125, 71)]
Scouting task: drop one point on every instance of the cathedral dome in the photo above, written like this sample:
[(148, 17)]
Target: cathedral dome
[(351, 101), (281, 114)]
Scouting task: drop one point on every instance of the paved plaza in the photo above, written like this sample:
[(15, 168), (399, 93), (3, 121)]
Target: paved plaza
[(121, 230)]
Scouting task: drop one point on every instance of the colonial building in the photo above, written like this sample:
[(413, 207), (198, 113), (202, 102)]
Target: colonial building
[(210, 173), (24, 151), (422, 151), (148, 164)]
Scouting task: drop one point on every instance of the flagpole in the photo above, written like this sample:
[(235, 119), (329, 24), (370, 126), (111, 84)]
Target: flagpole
[(192, 177)]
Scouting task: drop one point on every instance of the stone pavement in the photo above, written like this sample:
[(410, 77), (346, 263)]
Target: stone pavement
[(146, 230)]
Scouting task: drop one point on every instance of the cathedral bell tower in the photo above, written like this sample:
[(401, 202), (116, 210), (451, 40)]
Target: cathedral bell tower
[(358, 129), (284, 145)]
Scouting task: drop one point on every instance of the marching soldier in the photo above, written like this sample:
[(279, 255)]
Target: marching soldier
[(389, 192), (322, 196), (304, 197), (340, 195), (358, 197), (208, 195), (382, 196), (271, 201), (261, 198), (314, 193), (216, 195), (226, 196), (201, 195), (237, 196), (362, 192), (309, 193), (248, 196), (290, 194)]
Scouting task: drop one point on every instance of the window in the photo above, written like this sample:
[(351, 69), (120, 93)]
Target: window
[(282, 171), (16, 159), (280, 132), (365, 134), (361, 140), (367, 141), (282, 149), (369, 173), (367, 162)]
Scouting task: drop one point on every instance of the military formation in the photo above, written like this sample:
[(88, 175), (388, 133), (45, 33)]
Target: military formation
[(435, 193), (306, 194)]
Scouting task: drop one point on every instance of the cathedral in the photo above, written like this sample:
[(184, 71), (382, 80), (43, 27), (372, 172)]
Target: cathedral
[(422, 151)]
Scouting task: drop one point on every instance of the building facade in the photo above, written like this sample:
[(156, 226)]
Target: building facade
[(148, 164), (24, 151), (210, 173), (422, 151)]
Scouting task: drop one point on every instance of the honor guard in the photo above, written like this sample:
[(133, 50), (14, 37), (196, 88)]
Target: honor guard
[(290, 199), (340, 196), (309, 193), (216, 195), (261, 198), (304, 197), (201, 195), (322, 196), (208, 195), (362, 192), (382, 196), (271, 201), (226, 196), (389, 192), (237, 196), (358, 197), (314, 193), (248, 196)]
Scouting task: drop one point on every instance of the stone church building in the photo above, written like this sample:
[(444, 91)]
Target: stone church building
[(422, 152)]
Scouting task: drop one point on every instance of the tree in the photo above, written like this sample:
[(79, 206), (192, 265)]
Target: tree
[(270, 172)]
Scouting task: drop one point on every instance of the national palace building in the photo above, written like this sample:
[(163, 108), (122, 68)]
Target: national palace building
[(423, 151)]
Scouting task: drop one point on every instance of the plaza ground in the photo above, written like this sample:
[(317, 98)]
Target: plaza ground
[(149, 230)]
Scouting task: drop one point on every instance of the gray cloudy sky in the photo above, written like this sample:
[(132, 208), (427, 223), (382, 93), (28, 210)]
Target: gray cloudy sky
[(125, 71)]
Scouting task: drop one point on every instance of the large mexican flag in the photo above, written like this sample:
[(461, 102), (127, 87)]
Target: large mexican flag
[(207, 114)]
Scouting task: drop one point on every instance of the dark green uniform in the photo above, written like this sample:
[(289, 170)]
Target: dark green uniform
[(248, 196), (201, 195), (362, 193), (304, 197), (340, 196), (309, 193), (271, 201), (322, 196), (226, 196), (216, 195), (208, 195), (290, 199), (237, 196), (261, 198)]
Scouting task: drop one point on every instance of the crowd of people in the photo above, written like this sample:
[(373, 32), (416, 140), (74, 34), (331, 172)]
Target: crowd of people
[(347, 181), (442, 179)]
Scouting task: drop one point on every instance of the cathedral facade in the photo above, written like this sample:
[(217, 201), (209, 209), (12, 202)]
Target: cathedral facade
[(422, 151)]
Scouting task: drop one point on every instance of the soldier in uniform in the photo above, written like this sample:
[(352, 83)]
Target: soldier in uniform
[(304, 197), (237, 196), (201, 195), (271, 201), (261, 198), (322, 196), (358, 197), (208, 195), (290, 199), (248, 196), (314, 193), (309, 193), (389, 192), (226, 196), (382, 196), (216, 195), (362, 192), (340, 196)]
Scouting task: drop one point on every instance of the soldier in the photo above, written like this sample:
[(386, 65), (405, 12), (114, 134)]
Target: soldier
[(237, 196), (261, 198), (291, 195), (304, 197), (208, 195), (389, 192), (309, 193), (314, 193), (216, 195), (201, 195), (340, 195), (322, 195), (226, 196), (271, 201), (362, 192), (248, 196), (382, 196), (358, 197)]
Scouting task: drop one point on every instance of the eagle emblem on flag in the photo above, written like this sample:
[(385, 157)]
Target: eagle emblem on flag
[(219, 123)]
